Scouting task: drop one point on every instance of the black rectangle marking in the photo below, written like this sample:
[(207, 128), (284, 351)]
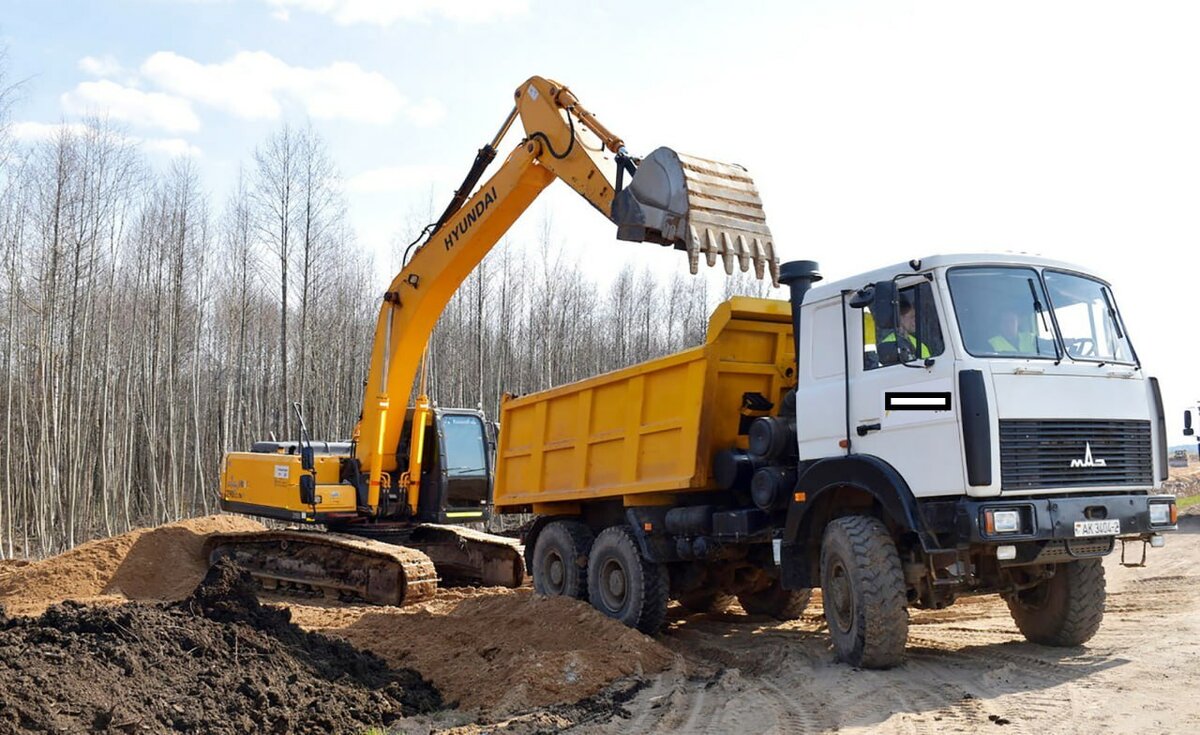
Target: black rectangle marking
[(910, 401)]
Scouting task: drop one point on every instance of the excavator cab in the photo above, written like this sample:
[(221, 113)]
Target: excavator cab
[(456, 466)]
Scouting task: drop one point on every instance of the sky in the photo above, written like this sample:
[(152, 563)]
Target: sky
[(877, 132)]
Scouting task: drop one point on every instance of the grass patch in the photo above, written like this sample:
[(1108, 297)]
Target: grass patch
[(1188, 502)]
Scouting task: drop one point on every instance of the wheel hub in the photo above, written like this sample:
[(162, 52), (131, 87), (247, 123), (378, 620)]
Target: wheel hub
[(614, 585), (840, 598), (556, 572)]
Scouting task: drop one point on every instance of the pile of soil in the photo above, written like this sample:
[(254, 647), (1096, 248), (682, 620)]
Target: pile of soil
[(498, 651), (164, 563), (215, 662), (1184, 482), (495, 650)]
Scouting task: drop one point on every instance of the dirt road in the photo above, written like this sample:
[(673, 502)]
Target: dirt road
[(968, 670)]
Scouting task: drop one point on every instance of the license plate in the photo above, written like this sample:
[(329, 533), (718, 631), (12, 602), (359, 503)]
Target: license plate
[(1097, 528)]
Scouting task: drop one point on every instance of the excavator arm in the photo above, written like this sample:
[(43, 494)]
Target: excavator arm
[(383, 551), (692, 204)]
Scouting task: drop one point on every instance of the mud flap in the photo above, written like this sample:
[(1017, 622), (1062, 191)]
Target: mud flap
[(699, 206)]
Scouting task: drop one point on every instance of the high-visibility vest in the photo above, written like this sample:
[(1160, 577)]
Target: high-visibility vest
[(1027, 344), (912, 341)]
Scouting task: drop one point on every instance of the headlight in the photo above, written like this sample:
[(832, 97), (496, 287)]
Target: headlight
[(1160, 514), (1003, 521)]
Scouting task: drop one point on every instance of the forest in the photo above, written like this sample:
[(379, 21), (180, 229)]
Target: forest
[(147, 325)]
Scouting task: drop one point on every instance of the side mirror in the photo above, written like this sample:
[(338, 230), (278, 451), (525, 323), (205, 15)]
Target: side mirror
[(308, 490), (883, 306), (863, 297), (1187, 424), (306, 458)]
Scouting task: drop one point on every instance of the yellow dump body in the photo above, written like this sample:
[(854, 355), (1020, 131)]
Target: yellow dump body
[(648, 431)]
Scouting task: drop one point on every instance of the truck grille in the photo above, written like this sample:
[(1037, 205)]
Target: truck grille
[(1053, 454)]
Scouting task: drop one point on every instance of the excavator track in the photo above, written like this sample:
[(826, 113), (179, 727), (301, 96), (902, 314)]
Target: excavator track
[(338, 565), (462, 556)]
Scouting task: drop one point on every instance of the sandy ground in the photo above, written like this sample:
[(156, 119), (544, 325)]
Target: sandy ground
[(517, 663), (968, 669)]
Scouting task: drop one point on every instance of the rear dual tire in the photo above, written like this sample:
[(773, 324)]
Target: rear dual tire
[(560, 560), (623, 584)]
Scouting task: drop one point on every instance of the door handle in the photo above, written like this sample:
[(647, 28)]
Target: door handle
[(864, 429)]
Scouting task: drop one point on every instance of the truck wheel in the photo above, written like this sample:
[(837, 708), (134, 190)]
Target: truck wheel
[(560, 560), (777, 602), (1064, 610), (705, 601), (624, 585), (862, 585)]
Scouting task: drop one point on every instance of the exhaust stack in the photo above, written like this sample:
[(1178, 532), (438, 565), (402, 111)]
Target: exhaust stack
[(700, 206), (799, 276)]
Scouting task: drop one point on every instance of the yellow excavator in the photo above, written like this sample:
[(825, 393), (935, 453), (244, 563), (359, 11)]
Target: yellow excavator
[(393, 499)]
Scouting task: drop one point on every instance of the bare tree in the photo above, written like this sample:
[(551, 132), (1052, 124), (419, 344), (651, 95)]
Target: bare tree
[(275, 188)]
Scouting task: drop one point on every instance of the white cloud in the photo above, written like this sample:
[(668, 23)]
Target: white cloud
[(100, 66), (149, 109), (172, 147), (255, 85), (389, 12), (397, 178), (426, 113), (37, 131)]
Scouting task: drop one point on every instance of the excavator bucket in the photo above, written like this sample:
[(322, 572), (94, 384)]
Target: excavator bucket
[(700, 206)]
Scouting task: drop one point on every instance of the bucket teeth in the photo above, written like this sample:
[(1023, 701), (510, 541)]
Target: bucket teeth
[(693, 251), (700, 206)]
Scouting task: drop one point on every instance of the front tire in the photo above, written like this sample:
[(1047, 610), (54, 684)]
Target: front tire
[(622, 584), (560, 560), (862, 585), (1064, 610)]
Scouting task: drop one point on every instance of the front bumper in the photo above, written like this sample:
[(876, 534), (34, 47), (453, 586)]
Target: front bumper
[(1045, 519), (1047, 527)]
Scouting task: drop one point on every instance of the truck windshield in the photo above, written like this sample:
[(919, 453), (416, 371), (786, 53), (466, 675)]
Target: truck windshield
[(1003, 312), (1087, 316), (464, 446)]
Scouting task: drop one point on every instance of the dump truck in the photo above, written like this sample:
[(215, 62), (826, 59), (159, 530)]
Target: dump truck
[(381, 515), (949, 426)]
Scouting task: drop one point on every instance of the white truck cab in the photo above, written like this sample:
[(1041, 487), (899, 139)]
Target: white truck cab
[(983, 419)]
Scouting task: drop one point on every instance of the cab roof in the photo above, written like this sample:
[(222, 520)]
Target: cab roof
[(827, 289)]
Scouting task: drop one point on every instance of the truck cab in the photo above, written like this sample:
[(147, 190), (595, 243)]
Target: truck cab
[(991, 412)]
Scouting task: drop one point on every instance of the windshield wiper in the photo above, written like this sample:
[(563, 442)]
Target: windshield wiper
[(1037, 306), (1112, 312)]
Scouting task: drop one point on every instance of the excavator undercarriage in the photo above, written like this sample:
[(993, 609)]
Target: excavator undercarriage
[(386, 565)]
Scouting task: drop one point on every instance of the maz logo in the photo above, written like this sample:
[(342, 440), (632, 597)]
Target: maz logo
[(1087, 460)]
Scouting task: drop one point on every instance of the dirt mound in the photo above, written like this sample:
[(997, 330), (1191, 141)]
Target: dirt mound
[(1184, 482), (163, 563), (499, 651), (216, 662)]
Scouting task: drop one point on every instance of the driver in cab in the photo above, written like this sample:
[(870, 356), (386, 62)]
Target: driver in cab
[(908, 347), (1010, 338)]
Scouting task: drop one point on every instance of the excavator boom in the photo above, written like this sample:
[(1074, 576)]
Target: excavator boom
[(376, 488)]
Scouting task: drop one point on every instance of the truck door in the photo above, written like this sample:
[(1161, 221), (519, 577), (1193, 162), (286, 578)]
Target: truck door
[(902, 408)]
